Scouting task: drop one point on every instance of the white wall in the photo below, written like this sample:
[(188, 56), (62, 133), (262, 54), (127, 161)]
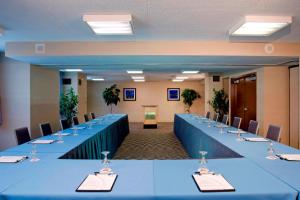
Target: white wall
[(148, 93), (15, 99)]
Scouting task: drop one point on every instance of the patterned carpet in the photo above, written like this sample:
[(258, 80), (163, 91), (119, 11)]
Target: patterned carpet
[(151, 144)]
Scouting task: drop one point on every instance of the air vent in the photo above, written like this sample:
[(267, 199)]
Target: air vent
[(67, 81), (216, 78), (39, 48)]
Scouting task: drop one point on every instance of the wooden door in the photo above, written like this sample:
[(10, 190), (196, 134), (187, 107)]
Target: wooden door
[(243, 99)]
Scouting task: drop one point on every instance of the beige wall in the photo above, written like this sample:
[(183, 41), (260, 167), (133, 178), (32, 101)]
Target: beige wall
[(44, 98), (294, 107), (15, 99), (153, 93)]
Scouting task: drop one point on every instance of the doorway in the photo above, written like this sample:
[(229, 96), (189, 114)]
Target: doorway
[(243, 99)]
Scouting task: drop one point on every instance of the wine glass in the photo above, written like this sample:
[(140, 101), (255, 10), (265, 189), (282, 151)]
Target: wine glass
[(60, 137), (89, 125), (239, 135), (209, 123), (271, 151), (105, 162), (75, 130), (221, 128), (203, 168), (33, 153)]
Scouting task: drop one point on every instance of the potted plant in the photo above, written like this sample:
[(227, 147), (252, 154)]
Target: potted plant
[(220, 102), (189, 96), (69, 105), (111, 96)]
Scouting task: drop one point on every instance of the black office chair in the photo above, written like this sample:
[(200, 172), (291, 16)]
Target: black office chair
[(46, 129), (64, 124), (93, 115), (273, 133), (207, 114), (253, 127), (22, 135), (86, 117), (236, 122), (225, 119), (75, 120), (216, 117)]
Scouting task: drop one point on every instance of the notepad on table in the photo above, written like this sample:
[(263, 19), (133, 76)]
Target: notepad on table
[(289, 157), (212, 183), (78, 128), (62, 134), (236, 131), (221, 126), (255, 139), (98, 183), (42, 141), (12, 159)]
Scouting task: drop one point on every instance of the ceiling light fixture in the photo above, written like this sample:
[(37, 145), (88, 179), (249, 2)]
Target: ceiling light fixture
[(139, 80), (260, 25), (182, 77), (110, 24), (71, 70), (177, 80), (137, 77), (134, 71), (98, 79), (190, 72)]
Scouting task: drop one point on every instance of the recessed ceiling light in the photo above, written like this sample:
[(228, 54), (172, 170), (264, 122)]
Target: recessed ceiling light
[(134, 71), (139, 80), (182, 77), (177, 80), (71, 70), (109, 24), (190, 72), (260, 25), (98, 79), (137, 77)]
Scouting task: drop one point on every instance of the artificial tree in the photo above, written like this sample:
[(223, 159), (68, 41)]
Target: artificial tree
[(69, 105), (220, 102), (111, 96), (189, 96)]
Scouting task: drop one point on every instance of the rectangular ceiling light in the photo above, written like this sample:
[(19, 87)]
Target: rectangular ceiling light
[(71, 70), (139, 80), (260, 25), (137, 77), (134, 71), (177, 80), (110, 24), (182, 77), (190, 72), (98, 79)]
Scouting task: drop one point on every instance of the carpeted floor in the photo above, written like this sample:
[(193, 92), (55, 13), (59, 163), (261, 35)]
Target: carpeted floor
[(150, 144)]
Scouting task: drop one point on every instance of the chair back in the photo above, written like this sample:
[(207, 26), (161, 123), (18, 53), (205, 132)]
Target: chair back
[(64, 124), (253, 127), (236, 122), (273, 133), (22, 135), (207, 114), (46, 129), (93, 115), (216, 117), (86, 118), (225, 119), (75, 120)]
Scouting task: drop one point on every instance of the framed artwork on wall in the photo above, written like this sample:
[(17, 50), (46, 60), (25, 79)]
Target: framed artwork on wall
[(173, 94), (129, 94)]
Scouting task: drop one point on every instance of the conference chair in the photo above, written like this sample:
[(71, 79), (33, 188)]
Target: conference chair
[(225, 119), (46, 129), (86, 118), (253, 127), (274, 133), (64, 124), (236, 122), (216, 117), (75, 120), (93, 115), (22, 135), (207, 114)]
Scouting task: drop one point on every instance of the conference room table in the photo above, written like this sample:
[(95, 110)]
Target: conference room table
[(190, 128), (55, 177)]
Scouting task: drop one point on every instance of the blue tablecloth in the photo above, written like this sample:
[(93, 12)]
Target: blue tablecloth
[(287, 171)]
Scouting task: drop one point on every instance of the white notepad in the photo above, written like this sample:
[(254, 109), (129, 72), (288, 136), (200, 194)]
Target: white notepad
[(221, 126), (256, 139), (235, 131), (290, 157), (42, 141), (12, 159), (78, 128), (62, 134), (98, 183), (212, 183)]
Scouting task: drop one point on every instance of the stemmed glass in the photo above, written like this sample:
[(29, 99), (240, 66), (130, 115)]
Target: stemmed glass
[(60, 137), (89, 125), (221, 128), (105, 162), (209, 123), (203, 168), (75, 130), (271, 151), (239, 135), (33, 153)]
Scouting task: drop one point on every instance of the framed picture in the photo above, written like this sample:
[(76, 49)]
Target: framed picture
[(129, 94), (173, 94)]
